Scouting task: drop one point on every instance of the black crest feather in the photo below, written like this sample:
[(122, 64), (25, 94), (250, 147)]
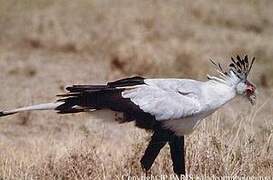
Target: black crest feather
[(240, 66)]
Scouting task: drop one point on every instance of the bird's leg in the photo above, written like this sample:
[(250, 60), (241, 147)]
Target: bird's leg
[(157, 142), (177, 154)]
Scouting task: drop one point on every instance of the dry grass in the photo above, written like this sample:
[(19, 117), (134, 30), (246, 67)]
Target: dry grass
[(46, 44)]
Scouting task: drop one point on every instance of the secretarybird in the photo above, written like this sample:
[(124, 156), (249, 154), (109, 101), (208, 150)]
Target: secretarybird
[(171, 108)]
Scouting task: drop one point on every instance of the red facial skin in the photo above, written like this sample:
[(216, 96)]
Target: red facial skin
[(250, 88)]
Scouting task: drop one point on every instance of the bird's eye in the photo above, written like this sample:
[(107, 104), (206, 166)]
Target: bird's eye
[(249, 91)]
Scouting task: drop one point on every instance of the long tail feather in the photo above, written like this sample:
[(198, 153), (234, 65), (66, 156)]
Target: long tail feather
[(46, 106)]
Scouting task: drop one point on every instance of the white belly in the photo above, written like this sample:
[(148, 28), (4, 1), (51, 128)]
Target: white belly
[(185, 126), (182, 126)]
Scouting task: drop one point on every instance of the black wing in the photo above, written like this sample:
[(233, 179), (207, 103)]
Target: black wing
[(85, 97)]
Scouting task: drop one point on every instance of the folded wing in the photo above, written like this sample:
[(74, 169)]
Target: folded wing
[(165, 103)]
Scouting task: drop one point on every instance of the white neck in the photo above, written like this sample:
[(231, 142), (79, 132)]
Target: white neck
[(219, 91)]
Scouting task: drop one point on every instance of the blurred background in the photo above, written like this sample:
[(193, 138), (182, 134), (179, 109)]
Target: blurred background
[(48, 44)]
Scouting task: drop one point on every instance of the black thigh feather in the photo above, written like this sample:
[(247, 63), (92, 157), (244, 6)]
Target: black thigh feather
[(157, 142)]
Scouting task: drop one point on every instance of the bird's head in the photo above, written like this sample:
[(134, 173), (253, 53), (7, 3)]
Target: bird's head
[(248, 90), (241, 68), (237, 75)]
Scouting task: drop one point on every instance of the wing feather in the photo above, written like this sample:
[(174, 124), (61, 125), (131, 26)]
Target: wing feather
[(165, 102)]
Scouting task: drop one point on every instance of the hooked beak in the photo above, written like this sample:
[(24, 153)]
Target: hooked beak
[(252, 98), (251, 93)]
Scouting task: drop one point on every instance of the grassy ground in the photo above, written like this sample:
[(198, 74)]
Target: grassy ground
[(46, 44)]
